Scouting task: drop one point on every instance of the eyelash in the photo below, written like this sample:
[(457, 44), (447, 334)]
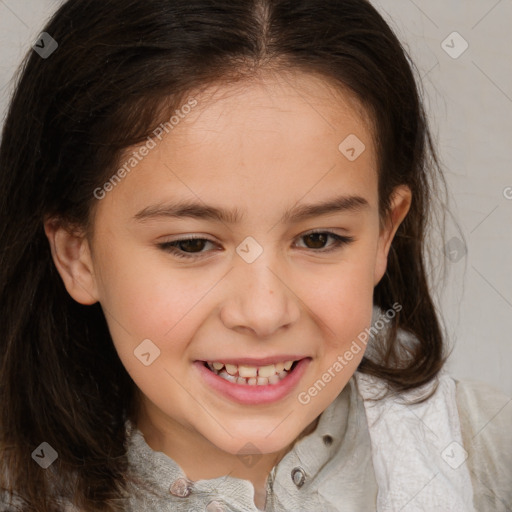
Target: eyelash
[(339, 242)]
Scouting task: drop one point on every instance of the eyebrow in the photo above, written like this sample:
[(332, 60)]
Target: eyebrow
[(297, 213)]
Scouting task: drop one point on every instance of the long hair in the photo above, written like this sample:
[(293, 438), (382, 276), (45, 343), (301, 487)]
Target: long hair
[(120, 68)]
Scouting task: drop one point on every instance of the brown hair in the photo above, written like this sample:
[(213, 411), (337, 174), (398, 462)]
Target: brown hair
[(118, 63)]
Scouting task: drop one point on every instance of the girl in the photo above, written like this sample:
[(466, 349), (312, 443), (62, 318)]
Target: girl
[(213, 284)]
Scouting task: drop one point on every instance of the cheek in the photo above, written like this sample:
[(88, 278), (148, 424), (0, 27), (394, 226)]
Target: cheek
[(342, 304), (341, 296), (143, 299)]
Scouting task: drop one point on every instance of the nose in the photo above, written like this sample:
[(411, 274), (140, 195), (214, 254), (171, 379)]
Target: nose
[(261, 298)]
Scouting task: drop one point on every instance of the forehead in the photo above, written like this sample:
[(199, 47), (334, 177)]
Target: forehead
[(269, 105), (266, 141)]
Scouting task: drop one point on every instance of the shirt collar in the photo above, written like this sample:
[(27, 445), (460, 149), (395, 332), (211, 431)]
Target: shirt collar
[(303, 462)]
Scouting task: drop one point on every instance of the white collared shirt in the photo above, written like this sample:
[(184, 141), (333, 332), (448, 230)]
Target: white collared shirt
[(344, 465)]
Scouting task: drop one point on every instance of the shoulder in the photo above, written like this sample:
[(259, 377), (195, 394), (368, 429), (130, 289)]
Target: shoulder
[(476, 415), (486, 426)]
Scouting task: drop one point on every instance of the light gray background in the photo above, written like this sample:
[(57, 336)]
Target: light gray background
[(469, 99)]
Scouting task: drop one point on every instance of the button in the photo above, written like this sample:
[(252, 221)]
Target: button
[(298, 476), (215, 506), (181, 487), (327, 440)]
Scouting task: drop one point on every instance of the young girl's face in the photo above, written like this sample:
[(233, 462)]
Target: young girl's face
[(258, 289)]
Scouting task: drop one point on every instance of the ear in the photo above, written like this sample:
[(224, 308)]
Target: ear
[(400, 203), (72, 257)]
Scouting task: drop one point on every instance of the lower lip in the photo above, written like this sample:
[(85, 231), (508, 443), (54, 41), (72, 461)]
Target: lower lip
[(252, 395)]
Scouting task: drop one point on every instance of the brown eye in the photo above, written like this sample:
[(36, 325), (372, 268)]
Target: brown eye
[(318, 240), (186, 247), (192, 244)]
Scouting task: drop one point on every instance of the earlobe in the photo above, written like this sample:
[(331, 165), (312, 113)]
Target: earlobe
[(72, 257), (400, 205)]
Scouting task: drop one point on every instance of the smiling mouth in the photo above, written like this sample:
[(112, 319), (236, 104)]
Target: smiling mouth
[(252, 375)]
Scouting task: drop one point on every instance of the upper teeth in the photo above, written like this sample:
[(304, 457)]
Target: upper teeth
[(251, 371)]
